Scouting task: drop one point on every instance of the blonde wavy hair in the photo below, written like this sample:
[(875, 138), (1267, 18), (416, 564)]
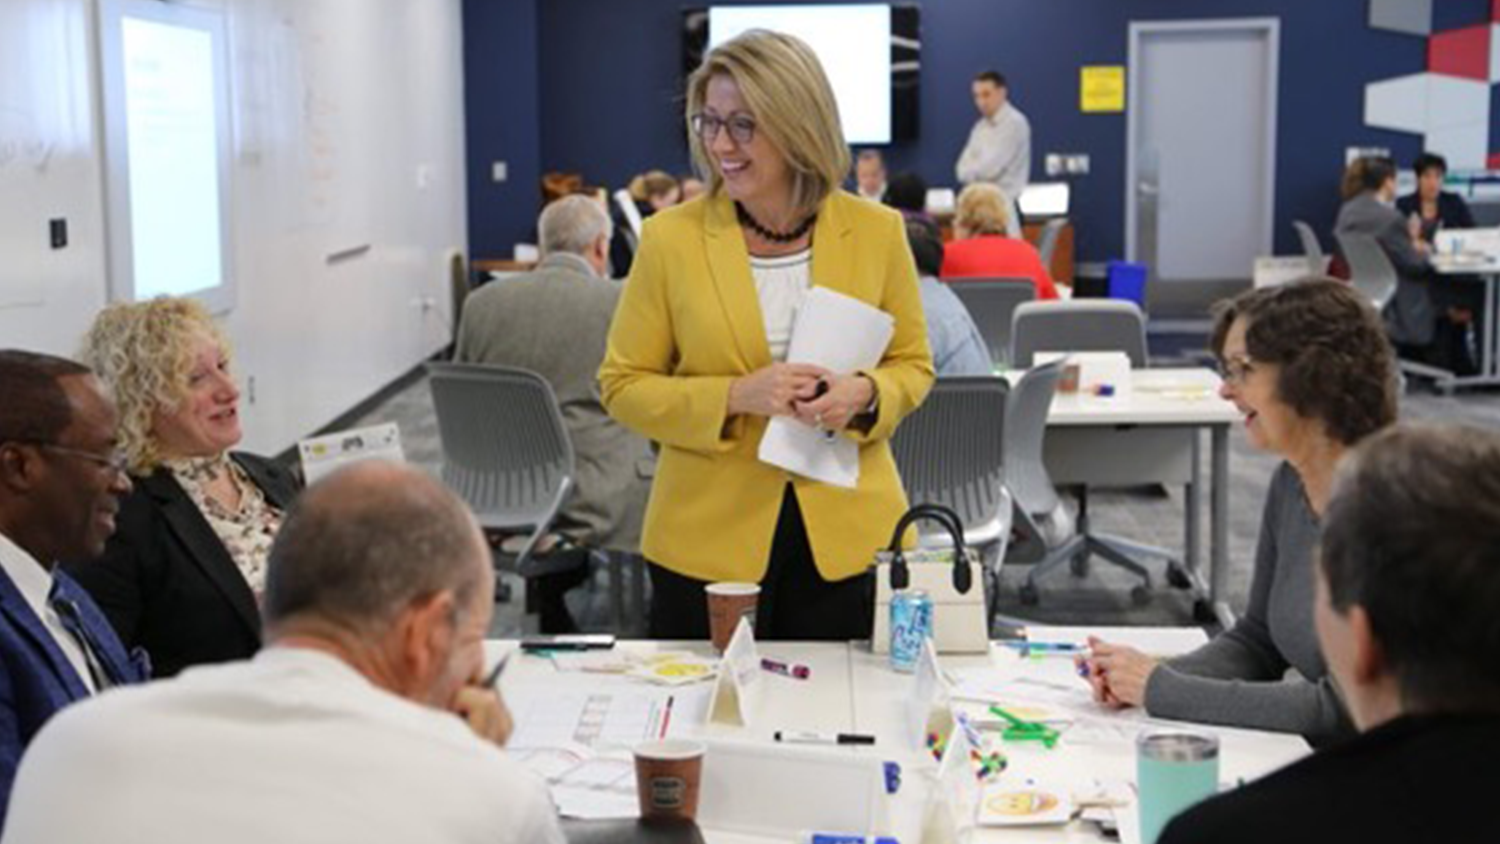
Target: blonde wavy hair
[(783, 83), (143, 352), (982, 209)]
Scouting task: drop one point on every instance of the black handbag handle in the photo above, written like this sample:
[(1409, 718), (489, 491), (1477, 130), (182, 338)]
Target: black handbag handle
[(963, 579)]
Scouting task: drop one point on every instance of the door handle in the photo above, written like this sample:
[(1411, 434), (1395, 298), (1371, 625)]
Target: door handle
[(1147, 189)]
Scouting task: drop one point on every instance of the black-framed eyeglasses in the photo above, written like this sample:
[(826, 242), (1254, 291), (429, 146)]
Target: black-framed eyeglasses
[(1235, 370), (706, 127), (115, 461)]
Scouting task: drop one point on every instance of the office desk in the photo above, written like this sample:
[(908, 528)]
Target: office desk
[(1152, 436), (854, 690), (1488, 270)]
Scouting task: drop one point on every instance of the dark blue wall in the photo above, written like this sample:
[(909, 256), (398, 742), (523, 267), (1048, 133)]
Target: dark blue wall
[(609, 87), (502, 122)]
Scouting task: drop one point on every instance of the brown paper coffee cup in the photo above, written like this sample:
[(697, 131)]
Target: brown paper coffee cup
[(667, 774), (727, 604)]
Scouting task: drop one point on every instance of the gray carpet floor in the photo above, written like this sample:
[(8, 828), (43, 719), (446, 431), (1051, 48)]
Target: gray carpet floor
[(1101, 598)]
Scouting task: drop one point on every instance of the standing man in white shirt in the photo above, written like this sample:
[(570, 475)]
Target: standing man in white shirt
[(61, 479), (999, 147), (348, 726)]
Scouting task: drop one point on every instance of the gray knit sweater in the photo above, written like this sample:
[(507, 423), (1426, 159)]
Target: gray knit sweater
[(1240, 678)]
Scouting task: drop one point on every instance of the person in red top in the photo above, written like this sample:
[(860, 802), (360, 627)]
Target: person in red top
[(981, 249)]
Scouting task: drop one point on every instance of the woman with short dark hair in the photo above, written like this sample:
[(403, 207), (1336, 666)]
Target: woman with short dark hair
[(1434, 207), (1309, 367)]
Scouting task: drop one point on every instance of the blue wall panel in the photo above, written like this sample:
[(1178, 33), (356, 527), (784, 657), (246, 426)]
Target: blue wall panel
[(502, 121), (609, 86)]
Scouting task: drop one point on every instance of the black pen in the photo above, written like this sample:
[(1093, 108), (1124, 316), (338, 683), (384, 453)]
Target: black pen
[(493, 677)]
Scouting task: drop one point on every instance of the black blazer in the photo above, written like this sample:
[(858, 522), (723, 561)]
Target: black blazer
[(1417, 778), (1452, 212), (166, 582)]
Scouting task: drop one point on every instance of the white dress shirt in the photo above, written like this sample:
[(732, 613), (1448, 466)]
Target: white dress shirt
[(293, 747), (999, 151), (781, 283), (35, 585)]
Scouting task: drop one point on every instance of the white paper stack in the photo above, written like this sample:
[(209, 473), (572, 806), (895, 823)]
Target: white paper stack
[(843, 335)]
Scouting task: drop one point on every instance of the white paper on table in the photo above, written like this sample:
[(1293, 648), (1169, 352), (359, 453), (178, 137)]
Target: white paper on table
[(843, 335)]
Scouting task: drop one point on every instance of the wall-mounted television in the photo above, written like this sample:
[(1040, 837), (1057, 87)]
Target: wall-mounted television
[(870, 51)]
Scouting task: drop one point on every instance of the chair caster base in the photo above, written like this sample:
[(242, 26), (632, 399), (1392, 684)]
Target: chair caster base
[(1203, 612), (1177, 578), (1028, 595)]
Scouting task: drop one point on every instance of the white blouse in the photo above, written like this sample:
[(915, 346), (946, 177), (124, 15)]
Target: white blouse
[(781, 283)]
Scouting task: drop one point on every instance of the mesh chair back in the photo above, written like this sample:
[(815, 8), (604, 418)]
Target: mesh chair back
[(1079, 325), (505, 450), (992, 303), (1370, 269), (1310, 245), (1025, 428), (1046, 244), (951, 450)]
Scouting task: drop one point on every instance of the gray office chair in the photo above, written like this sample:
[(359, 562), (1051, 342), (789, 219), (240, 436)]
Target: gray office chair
[(1370, 269), (1046, 244), (1372, 274), (1079, 325), (1311, 248), (951, 451), (992, 303), (1049, 534), (1310, 245), (505, 450)]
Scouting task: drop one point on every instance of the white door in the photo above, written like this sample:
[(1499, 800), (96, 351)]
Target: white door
[(1201, 163)]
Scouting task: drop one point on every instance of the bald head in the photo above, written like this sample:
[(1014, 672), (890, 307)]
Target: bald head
[(368, 541)]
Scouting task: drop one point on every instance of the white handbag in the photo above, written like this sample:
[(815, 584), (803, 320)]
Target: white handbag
[(951, 577)]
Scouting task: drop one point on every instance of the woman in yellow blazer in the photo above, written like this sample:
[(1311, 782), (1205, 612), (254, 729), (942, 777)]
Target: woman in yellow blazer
[(697, 354)]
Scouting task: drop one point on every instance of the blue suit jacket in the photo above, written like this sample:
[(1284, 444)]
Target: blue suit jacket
[(36, 679)]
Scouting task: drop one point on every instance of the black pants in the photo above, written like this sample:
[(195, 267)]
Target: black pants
[(796, 603)]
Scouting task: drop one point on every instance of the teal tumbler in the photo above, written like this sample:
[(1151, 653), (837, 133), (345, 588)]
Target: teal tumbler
[(1174, 770)]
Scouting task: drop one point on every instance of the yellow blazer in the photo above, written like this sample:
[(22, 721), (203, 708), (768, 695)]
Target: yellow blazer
[(688, 323)]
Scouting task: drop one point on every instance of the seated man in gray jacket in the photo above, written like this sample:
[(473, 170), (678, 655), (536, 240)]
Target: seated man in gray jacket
[(554, 321)]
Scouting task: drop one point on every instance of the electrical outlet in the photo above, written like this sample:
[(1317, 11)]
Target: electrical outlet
[(1054, 164), (1078, 165), (250, 389), (57, 230), (499, 172)]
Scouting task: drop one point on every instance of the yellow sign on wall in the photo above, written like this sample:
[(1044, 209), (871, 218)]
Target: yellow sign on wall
[(1101, 88)]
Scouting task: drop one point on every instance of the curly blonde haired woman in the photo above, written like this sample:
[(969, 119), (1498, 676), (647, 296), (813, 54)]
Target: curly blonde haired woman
[(183, 573)]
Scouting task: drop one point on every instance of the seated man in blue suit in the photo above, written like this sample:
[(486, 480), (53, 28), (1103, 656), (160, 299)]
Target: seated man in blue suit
[(60, 483)]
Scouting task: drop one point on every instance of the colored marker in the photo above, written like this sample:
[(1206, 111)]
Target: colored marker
[(795, 671)]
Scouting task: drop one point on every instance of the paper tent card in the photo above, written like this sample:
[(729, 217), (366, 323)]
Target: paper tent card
[(738, 683)]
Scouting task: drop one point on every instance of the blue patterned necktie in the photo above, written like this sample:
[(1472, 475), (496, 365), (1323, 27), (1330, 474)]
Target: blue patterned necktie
[(72, 621)]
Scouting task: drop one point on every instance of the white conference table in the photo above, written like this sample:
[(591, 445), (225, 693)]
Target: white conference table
[(854, 690), (1152, 436)]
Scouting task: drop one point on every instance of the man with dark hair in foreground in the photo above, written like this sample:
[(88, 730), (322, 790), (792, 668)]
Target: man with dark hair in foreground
[(1407, 596), (60, 484), (348, 726)]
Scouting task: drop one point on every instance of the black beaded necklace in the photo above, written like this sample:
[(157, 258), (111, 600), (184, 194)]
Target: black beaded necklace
[(773, 236)]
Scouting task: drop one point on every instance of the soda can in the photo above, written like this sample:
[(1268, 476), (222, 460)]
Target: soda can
[(911, 625)]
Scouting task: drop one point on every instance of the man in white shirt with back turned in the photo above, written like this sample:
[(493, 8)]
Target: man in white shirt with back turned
[(999, 147), (348, 726)]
